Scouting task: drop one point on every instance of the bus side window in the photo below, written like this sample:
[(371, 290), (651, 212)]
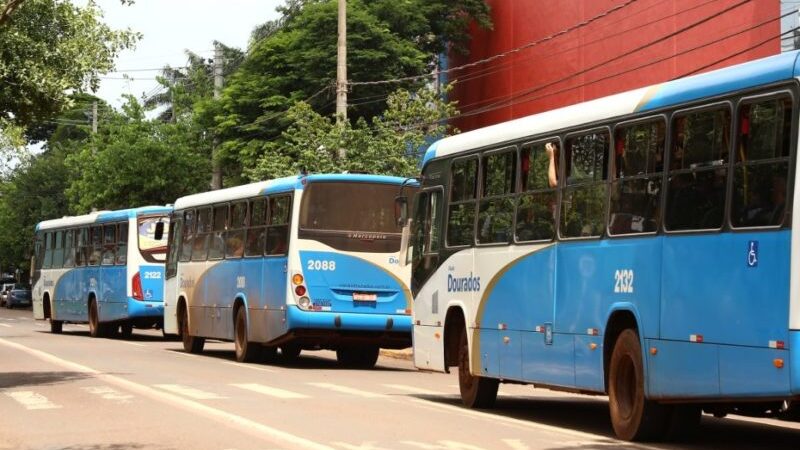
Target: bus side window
[(278, 230), (109, 244), (187, 243), (584, 196), (496, 214), (536, 206), (69, 248), (58, 250), (256, 228), (96, 236), (204, 229), (636, 186), (122, 244), (463, 195), (174, 245), (216, 244), (82, 246), (761, 173), (234, 237), (698, 170)]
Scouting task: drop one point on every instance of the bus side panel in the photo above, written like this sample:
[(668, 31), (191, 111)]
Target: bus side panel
[(710, 276), (251, 270), (171, 305), (589, 363), (113, 299), (221, 280), (89, 284), (746, 371), (63, 285), (274, 295), (548, 360), (682, 369)]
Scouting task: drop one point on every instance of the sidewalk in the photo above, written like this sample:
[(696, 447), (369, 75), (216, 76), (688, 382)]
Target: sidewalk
[(405, 353)]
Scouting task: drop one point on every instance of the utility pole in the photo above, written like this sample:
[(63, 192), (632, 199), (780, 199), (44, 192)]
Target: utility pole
[(94, 117), (216, 167), (341, 70)]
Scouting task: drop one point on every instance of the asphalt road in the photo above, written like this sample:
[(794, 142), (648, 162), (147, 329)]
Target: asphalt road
[(74, 392)]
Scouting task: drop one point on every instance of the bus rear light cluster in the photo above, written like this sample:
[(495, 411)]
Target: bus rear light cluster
[(300, 291), (136, 282)]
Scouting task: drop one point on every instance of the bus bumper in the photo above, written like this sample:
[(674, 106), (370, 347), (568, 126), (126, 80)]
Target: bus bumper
[(139, 308), (386, 330)]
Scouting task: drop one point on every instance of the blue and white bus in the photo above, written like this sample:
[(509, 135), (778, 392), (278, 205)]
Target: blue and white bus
[(105, 268), (305, 262), (656, 262)]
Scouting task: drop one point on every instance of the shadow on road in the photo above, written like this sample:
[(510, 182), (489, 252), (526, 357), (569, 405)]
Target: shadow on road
[(20, 379), (591, 416), (85, 334), (307, 360)]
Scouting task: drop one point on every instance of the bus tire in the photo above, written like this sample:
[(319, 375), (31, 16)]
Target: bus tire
[(476, 391), (56, 326), (191, 344), (290, 352), (633, 417), (245, 351), (96, 329), (126, 330)]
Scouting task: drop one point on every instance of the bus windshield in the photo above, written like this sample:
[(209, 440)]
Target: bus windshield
[(351, 216), (153, 237)]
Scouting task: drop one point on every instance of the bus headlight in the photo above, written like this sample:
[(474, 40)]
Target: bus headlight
[(304, 303)]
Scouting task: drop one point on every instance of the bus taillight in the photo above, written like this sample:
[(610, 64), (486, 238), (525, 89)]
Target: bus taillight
[(136, 281)]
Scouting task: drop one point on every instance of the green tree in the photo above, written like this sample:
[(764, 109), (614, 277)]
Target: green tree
[(49, 48), (390, 144), (132, 161), (294, 59)]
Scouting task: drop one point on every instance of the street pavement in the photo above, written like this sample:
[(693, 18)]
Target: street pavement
[(74, 392)]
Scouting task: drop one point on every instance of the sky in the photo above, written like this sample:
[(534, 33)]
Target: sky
[(169, 27)]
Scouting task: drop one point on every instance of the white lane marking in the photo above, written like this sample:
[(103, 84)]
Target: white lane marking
[(32, 400), (187, 391), (414, 389), (271, 391), (442, 445), (5, 325), (346, 390), (515, 444), (369, 445), (249, 366), (108, 393), (518, 423), (132, 343), (228, 419)]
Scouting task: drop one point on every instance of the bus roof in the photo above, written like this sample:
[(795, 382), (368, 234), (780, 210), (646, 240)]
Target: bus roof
[(276, 186), (763, 71), (101, 217)]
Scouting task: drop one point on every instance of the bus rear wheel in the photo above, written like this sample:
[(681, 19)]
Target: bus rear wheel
[(245, 351), (633, 417), (191, 344), (96, 329), (476, 391)]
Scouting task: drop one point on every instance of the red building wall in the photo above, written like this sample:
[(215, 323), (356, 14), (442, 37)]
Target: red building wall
[(643, 43)]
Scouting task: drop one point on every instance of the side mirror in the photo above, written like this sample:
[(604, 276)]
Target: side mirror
[(401, 210), (159, 233)]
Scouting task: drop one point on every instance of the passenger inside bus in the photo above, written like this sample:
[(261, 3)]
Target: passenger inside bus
[(552, 168)]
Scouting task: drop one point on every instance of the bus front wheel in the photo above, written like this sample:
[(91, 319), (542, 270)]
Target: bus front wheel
[(191, 344), (632, 415), (476, 391)]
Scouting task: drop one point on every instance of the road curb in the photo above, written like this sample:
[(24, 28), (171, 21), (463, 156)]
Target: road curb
[(405, 353)]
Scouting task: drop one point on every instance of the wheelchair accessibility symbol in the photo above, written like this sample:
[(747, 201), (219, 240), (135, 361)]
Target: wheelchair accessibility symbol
[(752, 254)]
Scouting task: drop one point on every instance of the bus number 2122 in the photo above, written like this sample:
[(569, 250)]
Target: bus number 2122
[(623, 281)]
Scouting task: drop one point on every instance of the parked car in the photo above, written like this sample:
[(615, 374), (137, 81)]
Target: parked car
[(4, 292), (19, 295)]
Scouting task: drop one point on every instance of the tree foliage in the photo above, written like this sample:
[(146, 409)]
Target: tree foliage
[(132, 162), (49, 48), (389, 144)]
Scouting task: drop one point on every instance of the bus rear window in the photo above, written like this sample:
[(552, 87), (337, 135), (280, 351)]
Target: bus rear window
[(152, 232), (351, 216)]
